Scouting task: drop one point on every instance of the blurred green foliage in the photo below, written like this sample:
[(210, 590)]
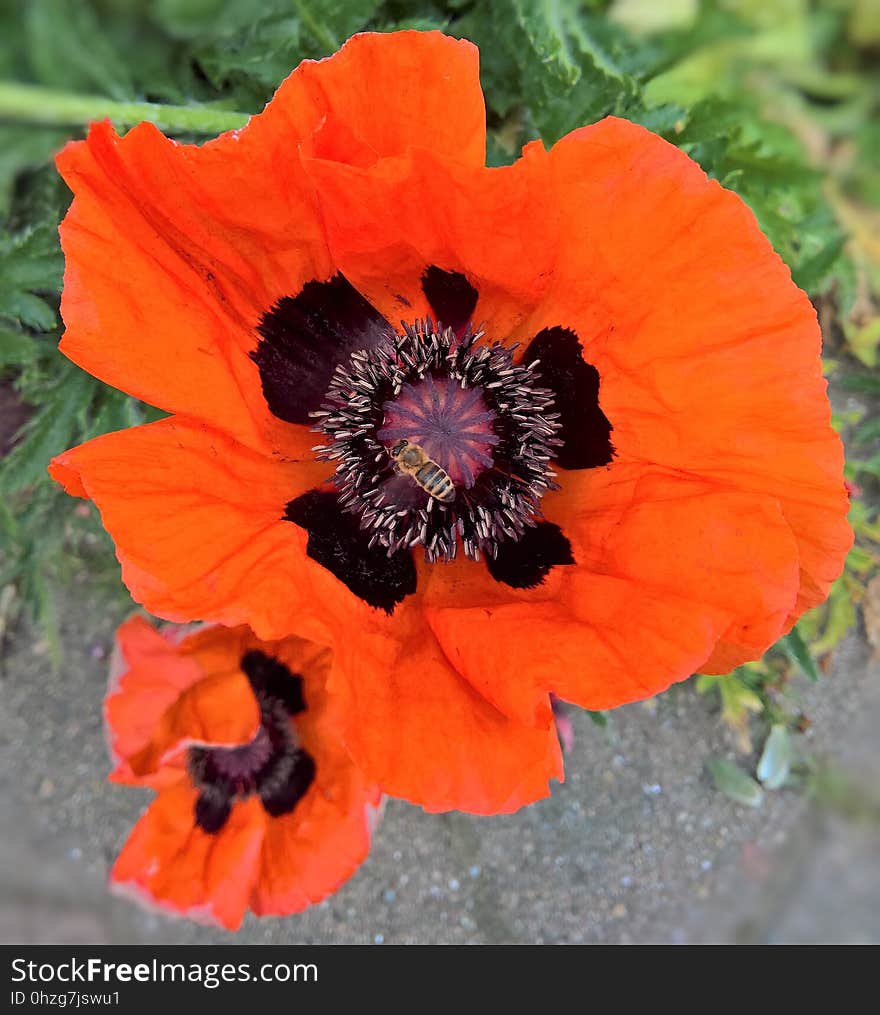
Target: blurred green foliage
[(777, 99)]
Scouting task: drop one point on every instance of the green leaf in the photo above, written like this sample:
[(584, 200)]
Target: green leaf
[(775, 763), (869, 384), (22, 148), (797, 650), (30, 262), (734, 783), (554, 58), (16, 348), (811, 272)]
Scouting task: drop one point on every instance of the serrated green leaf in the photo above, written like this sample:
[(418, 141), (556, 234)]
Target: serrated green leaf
[(30, 262), (797, 650), (49, 431), (775, 763), (734, 783)]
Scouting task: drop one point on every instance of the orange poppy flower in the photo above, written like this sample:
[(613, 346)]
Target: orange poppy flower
[(259, 806), (573, 431)]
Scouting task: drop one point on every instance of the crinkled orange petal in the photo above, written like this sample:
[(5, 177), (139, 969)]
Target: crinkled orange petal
[(666, 567), (386, 223), (198, 521), (170, 863), (174, 251), (419, 730), (218, 711), (150, 676), (391, 92), (308, 853), (708, 353)]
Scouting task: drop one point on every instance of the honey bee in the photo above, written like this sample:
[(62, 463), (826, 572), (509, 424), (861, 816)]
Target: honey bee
[(412, 460)]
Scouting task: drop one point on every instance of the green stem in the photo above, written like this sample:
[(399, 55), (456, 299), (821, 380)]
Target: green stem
[(34, 104)]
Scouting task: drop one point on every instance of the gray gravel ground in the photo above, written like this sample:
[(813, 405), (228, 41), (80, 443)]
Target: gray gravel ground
[(636, 846)]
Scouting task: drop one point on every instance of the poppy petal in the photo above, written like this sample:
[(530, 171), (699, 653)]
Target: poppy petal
[(707, 352), (309, 852), (422, 733), (483, 230), (198, 521), (303, 338), (667, 567), (150, 675), (170, 863), (584, 428), (381, 89), (338, 543), (218, 710), (158, 256)]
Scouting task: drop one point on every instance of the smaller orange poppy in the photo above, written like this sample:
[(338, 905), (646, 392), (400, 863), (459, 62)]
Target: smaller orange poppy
[(259, 806)]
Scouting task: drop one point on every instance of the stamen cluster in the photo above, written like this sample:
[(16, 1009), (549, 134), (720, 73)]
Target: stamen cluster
[(499, 458)]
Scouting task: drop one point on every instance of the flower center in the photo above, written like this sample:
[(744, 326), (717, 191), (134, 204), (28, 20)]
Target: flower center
[(439, 440), (238, 766), (272, 764), (452, 425)]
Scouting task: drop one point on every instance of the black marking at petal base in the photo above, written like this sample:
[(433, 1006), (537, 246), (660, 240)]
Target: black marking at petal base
[(526, 563), (303, 338), (271, 677), (451, 297), (212, 809), (337, 542), (282, 797), (585, 430)]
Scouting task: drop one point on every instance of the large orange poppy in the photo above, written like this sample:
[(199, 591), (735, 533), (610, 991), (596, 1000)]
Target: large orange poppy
[(586, 377), (259, 806)]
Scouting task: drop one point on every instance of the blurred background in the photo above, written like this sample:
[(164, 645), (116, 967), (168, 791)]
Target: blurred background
[(736, 808)]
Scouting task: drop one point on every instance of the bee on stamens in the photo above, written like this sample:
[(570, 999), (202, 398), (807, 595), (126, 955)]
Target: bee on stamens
[(412, 460)]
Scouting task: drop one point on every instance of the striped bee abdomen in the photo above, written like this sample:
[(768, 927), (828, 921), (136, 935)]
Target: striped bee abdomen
[(435, 481)]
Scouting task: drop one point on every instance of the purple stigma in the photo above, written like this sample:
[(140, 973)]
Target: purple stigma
[(450, 422)]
